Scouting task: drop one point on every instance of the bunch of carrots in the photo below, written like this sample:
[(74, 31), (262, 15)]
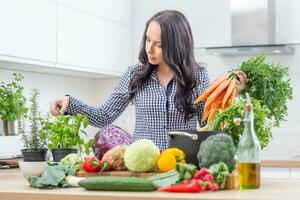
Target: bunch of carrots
[(220, 94)]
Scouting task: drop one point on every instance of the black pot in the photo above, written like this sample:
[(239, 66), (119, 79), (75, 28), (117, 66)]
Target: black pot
[(189, 141), (34, 156), (59, 154)]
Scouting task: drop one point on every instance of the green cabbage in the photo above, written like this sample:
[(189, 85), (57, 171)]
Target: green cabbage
[(141, 156)]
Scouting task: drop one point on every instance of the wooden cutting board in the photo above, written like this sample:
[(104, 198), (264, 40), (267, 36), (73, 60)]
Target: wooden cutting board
[(116, 173)]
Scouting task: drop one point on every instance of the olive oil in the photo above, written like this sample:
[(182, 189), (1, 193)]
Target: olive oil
[(248, 161), (248, 175)]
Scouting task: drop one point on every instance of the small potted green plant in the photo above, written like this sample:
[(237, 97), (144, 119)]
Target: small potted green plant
[(34, 139), (64, 135), (12, 104)]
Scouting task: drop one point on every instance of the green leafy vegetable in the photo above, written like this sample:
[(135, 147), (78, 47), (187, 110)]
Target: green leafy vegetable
[(185, 171), (53, 177), (262, 125), (12, 100), (270, 84), (220, 172), (64, 132), (34, 139)]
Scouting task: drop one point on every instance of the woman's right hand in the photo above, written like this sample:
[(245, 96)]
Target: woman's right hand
[(60, 104)]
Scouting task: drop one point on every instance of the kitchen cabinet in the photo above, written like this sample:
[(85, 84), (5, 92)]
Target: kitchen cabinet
[(80, 38), (115, 10), (27, 31), (91, 43), (287, 21)]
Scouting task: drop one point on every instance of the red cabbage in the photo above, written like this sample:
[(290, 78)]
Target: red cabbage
[(109, 137)]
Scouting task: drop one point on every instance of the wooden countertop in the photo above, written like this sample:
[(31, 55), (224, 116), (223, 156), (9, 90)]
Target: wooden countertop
[(281, 163), (13, 186)]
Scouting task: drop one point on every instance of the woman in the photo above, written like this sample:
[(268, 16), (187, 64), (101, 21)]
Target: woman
[(162, 86)]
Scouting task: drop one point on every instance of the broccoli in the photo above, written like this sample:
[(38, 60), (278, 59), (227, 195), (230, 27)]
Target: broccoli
[(215, 149)]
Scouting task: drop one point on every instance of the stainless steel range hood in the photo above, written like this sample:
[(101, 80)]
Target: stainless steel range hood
[(252, 30)]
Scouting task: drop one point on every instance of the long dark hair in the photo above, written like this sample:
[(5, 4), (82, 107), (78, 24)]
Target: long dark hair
[(178, 53)]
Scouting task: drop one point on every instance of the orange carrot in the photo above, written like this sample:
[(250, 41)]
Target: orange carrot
[(217, 92), (228, 92), (232, 96), (212, 114), (205, 115), (214, 106), (210, 89)]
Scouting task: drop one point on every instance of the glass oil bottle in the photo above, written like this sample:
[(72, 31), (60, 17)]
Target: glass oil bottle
[(248, 162)]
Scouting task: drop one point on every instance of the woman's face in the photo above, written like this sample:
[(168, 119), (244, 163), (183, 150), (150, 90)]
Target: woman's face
[(153, 44)]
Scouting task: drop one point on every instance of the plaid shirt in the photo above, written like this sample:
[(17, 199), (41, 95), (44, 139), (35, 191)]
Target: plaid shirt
[(155, 110)]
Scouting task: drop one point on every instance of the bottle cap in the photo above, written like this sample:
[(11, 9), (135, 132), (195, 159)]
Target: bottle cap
[(248, 106)]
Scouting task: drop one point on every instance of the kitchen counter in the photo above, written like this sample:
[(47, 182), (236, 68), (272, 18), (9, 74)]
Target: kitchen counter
[(281, 163), (13, 186)]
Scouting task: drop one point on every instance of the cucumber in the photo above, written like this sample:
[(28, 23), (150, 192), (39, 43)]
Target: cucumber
[(113, 183)]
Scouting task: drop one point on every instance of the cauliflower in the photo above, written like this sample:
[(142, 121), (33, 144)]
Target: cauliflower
[(215, 149), (141, 156)]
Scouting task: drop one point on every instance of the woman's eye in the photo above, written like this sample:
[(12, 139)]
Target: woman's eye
[(158, 45)]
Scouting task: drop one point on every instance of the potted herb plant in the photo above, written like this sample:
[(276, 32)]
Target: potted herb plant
[(12, 104), (34, 139), (64, 135)]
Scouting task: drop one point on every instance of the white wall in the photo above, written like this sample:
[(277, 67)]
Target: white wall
[(51, 87)]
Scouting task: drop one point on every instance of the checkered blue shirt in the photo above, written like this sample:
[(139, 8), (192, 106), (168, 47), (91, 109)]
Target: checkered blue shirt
[(155, 111)]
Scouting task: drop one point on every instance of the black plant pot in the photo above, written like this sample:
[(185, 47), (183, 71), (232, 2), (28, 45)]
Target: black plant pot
[(189, 141), (59, 154), (34, 156)]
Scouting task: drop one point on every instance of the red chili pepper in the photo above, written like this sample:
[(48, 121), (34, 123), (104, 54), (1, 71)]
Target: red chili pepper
[(191, 186), (201, 173), (91, 164)]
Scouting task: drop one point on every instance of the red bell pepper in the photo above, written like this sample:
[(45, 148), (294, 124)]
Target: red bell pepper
[(188, 186), (91, 164)]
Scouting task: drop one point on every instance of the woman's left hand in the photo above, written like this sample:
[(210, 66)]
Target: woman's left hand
[(241, 80)]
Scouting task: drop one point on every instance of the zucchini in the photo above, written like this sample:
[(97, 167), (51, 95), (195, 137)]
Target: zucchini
[(113, 183)]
